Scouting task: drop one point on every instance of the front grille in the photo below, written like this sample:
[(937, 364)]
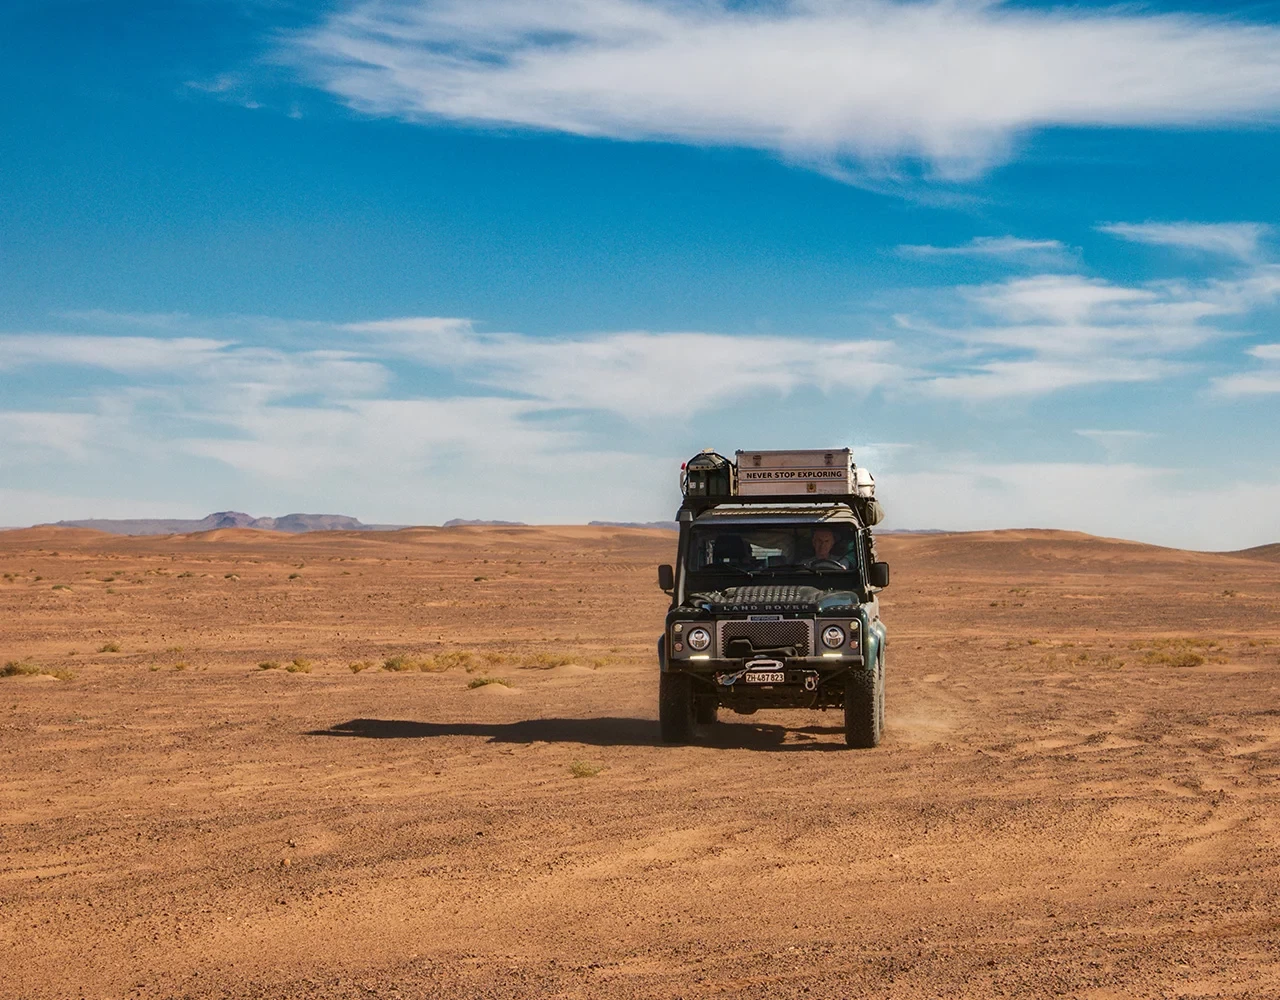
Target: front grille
[(797, 632)]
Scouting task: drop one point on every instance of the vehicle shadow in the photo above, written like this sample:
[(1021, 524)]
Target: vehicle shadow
[(605, 732)]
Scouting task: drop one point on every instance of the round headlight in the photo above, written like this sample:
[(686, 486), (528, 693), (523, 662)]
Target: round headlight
[(833, 636), (699, 638)]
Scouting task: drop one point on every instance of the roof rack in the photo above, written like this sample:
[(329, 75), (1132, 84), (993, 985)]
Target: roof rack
[(700, 505), (778, 478)]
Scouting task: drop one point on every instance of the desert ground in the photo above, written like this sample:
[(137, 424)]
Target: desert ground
[(214, 787)]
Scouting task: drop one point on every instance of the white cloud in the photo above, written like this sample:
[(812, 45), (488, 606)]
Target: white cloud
[(1036, 377), (469, 414), (40, 432), (1036, 335), (1230, 239), (643, 375), (124, 355), (1264, 382), (234, 369), (949, 82), (1009, 248)]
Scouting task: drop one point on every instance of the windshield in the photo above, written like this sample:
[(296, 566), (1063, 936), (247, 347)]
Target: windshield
[(765, 548)]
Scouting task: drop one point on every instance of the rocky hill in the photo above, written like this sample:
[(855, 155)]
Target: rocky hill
[(295, 523)]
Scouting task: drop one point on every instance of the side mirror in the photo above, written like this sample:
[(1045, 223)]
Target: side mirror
[(666, 578), (879, 575)]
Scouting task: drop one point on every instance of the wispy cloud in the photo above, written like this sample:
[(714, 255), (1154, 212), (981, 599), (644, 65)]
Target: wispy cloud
[(1031, 336), (951, 83), (1231, 239), (1007, 248), (1263, 381), (628, 373)]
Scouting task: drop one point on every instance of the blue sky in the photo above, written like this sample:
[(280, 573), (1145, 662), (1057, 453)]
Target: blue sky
[(412, 260)]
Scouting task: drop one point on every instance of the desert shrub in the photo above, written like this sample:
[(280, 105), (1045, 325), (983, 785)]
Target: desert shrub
[(60, 586), (109, 647), (584, 769), (295, 576), (299, 666), (480, 682), (230, 576), (399, 662), (360, 665), (269, 665), (449, 659), (180, 665), (25, 668), (545, 661)]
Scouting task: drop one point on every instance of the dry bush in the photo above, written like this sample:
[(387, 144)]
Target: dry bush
[(545, 661), (25, 668), (109, 647), (450, 659), (400, 662), (360, 665), (269, 665), (480, 682), (584, 769), (299, 666)]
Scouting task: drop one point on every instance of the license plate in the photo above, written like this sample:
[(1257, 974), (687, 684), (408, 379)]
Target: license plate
[(765, 677)]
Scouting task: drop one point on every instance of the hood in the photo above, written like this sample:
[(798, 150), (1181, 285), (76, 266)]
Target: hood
[(777, 598)]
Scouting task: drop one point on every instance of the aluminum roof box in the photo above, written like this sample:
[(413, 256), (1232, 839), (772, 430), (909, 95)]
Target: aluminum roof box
[(808, 472)]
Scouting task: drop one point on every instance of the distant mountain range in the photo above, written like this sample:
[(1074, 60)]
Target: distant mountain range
[(298, 523), (295, 523)]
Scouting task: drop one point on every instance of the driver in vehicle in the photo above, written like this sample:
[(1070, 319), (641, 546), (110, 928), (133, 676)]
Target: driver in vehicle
[(824, 543)]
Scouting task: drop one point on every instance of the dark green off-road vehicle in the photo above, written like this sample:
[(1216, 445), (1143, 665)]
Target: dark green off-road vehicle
[(773, 605)]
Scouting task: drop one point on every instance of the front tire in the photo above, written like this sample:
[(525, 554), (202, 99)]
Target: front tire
[(862, 708), (675, 707)]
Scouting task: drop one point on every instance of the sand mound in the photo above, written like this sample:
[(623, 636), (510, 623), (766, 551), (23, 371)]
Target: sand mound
[(569, 670), (50, 534), (496, 691), (1269, 552)]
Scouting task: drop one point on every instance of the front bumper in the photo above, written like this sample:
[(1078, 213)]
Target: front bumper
[(716, 665)]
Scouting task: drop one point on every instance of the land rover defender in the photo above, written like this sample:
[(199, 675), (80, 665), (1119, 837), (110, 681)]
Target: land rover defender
[(774, 593)]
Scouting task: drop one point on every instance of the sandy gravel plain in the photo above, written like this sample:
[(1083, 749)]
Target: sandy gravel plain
[(1077, 795)]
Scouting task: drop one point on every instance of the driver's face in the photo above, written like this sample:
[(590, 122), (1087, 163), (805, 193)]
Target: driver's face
[(823, 541)]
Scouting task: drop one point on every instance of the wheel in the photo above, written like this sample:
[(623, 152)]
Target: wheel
[(862, 703), (706, 711), (675, 707), (881, 687)]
